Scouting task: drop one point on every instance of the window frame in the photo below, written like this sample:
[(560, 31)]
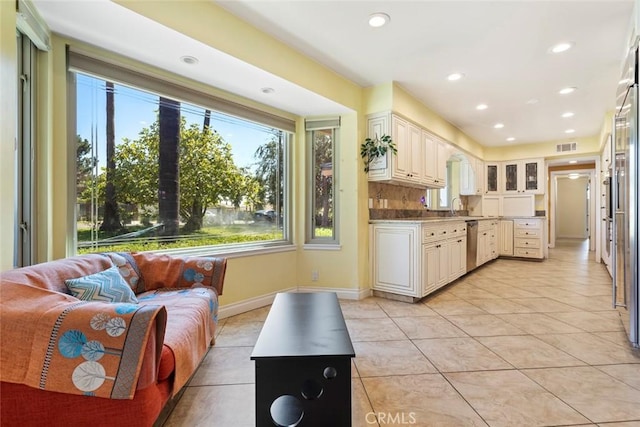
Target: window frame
[(311, 126), (80, 63)]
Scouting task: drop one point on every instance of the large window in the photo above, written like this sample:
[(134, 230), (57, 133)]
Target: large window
[(156, 173), (322, 199)]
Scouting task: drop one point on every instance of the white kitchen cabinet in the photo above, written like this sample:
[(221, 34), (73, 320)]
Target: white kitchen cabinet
[(457, 257), (435, 156), (505, 238), (467, 177), (395, 258), (414, 259), (480, 172), (487, 241), (491, 206), (518, 205), (522, 176), (528, 238), (405, 167)]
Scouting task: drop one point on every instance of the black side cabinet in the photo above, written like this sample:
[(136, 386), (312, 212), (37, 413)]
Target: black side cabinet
[(303, 363)]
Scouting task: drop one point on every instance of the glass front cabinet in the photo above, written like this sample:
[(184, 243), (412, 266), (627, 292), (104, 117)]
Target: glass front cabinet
[(523, 176), (492, 176)]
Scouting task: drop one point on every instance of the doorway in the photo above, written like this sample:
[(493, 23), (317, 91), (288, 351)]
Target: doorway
[(573, 207)]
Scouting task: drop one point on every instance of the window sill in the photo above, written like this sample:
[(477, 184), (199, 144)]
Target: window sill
[(231, 251), (321, 247)]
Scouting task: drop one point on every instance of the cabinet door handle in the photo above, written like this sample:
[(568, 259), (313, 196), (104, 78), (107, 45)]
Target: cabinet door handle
[(444, 232), (459, 241), (433, 234)]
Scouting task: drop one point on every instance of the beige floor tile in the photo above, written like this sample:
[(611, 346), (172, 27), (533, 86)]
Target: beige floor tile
[(225, 365), (458, 306), (619, 337), (257, 315), (373, 330), (538, 323), (428, 327), (472, 292), (590, 322), (385, 358), (460, 354), (509, 398), (441, 295), (508, 291), (482, 325), (239, 334), (628, 373), (227, 405), (499, 306), (622, 424), (363, 309), (526, 351), (219, 327), (422, 400), (544, 305), (405, 309), (362, 414), (591, 349), (595, 394)]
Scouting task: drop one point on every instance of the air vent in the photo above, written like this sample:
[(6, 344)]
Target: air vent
[(569, 146)]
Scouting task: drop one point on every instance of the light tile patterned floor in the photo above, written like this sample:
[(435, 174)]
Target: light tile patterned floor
[(514, 343)]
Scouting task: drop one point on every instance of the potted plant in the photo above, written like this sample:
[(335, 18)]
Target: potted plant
[(374, 148)]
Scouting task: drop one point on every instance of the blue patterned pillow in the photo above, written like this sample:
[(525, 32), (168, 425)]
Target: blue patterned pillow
[(108, 286)]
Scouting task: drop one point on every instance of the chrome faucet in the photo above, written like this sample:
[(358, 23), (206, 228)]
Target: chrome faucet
[(453, 211)]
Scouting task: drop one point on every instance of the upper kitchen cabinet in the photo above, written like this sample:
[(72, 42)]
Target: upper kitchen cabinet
[(436, 156), (471, 177), (492, 177), (421, 157), (523, 176)]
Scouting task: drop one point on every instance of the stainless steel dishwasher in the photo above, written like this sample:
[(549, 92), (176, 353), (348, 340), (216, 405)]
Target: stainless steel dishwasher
[(472, 244)]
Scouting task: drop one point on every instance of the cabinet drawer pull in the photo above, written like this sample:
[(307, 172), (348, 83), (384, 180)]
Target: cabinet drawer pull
[(459, 241)]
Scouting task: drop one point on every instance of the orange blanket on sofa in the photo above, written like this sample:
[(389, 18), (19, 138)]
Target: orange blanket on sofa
[(72, 346)]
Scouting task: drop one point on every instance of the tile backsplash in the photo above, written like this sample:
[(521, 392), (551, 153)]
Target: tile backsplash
[(396, 196)]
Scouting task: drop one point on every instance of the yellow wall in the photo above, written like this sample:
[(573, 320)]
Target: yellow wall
[(8, 102), (586, 147)]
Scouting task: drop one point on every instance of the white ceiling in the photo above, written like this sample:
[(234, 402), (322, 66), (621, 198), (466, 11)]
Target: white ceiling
[(500, 46)]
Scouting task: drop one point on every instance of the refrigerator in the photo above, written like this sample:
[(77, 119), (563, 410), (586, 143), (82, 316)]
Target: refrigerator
[(625, 199)]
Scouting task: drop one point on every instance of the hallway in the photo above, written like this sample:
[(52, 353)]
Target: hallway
[(514, 343)]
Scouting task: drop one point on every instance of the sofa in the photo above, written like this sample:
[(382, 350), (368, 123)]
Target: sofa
[(103, 339)]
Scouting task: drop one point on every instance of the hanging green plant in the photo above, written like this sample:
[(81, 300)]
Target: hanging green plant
[(374, 148)]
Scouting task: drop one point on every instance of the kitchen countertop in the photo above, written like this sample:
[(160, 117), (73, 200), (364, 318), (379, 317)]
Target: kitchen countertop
[(447, 219)]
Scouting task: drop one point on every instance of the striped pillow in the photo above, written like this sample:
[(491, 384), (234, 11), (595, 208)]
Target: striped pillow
[(107, 286)]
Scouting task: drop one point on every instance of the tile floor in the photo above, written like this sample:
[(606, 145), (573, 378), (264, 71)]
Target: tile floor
[(514, 343)]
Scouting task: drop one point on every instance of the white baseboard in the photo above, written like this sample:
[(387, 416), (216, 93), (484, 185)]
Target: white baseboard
[(342, 293), (240, 307)]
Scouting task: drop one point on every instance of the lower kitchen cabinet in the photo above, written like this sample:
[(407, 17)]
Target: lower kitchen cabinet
[(415, 259), (528, 238), (505, 238), (487, 241)]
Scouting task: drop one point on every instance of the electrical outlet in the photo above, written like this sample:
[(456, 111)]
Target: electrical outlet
[(314, 275)]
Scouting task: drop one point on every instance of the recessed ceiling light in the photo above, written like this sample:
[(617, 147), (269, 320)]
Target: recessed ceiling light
[(482, 107), (267, 90), (567, 114), (573, 162), (188, 59), (561, 47), (566, 90), (455, 76), (379, 19), (569, 131), (510, 139), (498, 125), (532, 101), (574, 175)]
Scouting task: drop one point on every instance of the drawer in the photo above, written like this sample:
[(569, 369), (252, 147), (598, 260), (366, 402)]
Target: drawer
[(527, 223), (432, 233), (458, 229), (527, 232), (527, 253), (527, 243)]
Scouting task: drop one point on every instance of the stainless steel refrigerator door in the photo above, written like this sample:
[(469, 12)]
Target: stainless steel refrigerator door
[(626, 214)]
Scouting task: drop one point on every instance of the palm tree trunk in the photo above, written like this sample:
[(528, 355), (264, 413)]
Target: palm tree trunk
[(168, 163), (111, 220)]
